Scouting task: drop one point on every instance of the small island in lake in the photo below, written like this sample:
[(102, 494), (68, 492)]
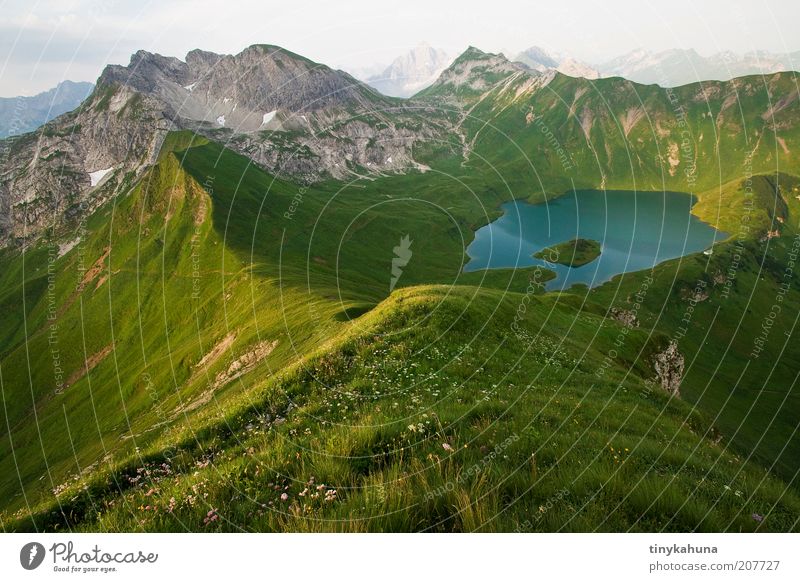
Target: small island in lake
[(573, 253)]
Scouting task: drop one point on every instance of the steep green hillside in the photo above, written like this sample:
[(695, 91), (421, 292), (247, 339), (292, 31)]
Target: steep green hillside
[(546, 134), (182, 293), (220, 338), (736, 313), (393, 428)]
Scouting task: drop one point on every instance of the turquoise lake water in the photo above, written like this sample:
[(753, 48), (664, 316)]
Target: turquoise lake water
[(636, 230)]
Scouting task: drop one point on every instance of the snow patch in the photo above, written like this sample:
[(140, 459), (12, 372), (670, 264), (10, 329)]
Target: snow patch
[(190, 87), (268, 117), (97, 176), (221, 120), (66, 247)]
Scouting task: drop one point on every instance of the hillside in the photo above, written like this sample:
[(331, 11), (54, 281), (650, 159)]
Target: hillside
[(546, 133), (215, 344)]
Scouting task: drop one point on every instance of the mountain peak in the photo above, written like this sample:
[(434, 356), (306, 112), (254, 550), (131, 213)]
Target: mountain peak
[(539, 59), (411, 72), (472, 73), (473, 53)]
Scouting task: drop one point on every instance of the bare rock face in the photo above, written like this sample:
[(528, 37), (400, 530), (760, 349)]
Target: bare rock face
[(625, 316), (298, 119), (468, 73), (67, 168), (669, 366)]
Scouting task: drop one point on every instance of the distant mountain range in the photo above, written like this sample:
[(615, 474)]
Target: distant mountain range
[(676, 67), (541, 60), (23, 114), (670, 68), (419, 68)]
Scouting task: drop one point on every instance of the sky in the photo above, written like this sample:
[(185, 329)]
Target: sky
[(45, 42)]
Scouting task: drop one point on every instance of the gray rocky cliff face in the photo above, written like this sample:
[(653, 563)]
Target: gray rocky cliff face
[(60, 171), (296, 118), (669, 366)]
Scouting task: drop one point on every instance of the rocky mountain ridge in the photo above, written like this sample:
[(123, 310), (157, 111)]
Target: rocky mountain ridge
[(296, 118)]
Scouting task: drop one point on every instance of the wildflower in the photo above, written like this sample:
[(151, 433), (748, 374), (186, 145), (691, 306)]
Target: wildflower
[(447, 447), (211, 517), (284, 496), (757, 517)]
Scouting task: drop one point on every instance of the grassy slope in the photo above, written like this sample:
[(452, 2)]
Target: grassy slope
[(752, 397), (617, 134), (298, 281), (181, 255), (534, 441)]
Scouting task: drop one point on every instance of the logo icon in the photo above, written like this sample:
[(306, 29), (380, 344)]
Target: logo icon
[(402, 254), (31, 555)]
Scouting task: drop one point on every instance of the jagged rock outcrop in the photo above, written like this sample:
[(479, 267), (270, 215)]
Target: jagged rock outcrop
[(669, 366), (73, 164), (297, 118), (626, 317)]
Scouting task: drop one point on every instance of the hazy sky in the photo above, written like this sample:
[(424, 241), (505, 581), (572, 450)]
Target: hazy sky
[(44, 42)]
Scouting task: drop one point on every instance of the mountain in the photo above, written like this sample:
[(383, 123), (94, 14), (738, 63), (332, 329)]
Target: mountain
[(474, 73), (613, 133), (410, 73), (287, 113), (207, 341), (540, 60), (677, 67), (20, 115)]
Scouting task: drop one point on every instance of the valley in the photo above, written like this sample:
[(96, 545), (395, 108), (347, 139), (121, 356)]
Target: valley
[(232, 332)]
